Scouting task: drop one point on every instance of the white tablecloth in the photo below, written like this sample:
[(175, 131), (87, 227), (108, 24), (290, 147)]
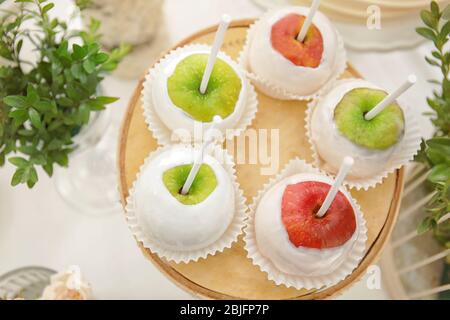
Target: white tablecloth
[(38, 228)]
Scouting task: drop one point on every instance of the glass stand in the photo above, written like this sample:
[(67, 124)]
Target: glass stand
[(89, 184)]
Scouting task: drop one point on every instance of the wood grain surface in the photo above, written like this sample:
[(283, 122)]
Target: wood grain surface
[(230, 274)]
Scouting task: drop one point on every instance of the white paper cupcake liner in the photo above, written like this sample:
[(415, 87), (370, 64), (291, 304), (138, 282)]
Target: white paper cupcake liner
[(277, 92), (160, 131), (356, 254), (410, 146), (225, 241)]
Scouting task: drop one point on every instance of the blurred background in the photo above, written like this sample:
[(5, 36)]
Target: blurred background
[(47, 226)]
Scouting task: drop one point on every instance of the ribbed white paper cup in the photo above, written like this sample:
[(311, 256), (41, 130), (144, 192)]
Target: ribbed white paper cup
[(353, 259), (225, 241), (267, 87), (161, 131), (404, 153)]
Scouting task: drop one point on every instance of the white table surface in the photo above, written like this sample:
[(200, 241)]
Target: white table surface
[(38, 228)]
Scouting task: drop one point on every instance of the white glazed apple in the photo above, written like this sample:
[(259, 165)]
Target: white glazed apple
[(178, 102), (338, 129), (183, 222), (293, 239), (276, 56)]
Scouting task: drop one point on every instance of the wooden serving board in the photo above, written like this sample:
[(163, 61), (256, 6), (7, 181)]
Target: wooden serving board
[(230, 274)]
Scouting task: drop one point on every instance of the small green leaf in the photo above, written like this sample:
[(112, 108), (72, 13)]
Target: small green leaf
[(439, 141), (106, 100), (32, 177), (432, 62), (434, 7), (48, 168), (63, 48), (100, 58), (436, 54), (445, 31), (115, 57), (94, 25), (28, 150), (446, 13), (65, 102), (56, 68), (43, 106), (55, 125), (4, 72), (48, 7), (19, 162), (89, 66), (55, 144), (440, 173), (20, 115), (26, 132), (436, 157), (425, 225), (79, 52), (446, 86), (39, 160), (84, 113), (77, 71), (32, 95), (94, 105), (16, 101), (17, 177), (427, 33), (83, 4), (447, 58), (93, 48), (62, 159), (35, 118), (19, 46), (429, 19)]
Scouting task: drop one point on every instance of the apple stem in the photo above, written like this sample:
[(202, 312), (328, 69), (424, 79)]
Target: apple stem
[(343, 171), (209, 138), (312, 12), (412, 79), (218, 40)]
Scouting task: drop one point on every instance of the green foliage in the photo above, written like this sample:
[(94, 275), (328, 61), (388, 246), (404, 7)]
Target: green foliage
[(41, 110), (435, 153), (437, 29)]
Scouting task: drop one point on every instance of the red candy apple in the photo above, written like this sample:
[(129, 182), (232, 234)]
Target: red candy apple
[(284, 40), (299, 206)]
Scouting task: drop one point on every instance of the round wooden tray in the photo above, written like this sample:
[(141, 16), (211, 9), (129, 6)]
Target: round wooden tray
[(230, 274)]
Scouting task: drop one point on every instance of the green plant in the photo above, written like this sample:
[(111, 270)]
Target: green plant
[(41, 109), (435, 152)]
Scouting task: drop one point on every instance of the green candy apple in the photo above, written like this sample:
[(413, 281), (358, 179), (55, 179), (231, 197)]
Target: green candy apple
[(380, 133), (220, 97), (204, 183)]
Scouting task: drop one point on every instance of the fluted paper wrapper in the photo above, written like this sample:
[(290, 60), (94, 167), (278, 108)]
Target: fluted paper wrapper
[(159, 130), (405, 153), (277, 92), (228, 238), (356, 254)]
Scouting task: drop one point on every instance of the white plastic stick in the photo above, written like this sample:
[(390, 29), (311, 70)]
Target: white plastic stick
[(343, 171), (312, 12), (412, 79), (218, 40), (199, 159)]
